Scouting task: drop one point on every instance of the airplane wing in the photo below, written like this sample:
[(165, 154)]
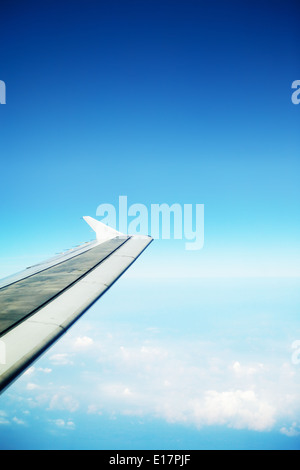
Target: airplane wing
[(38, 305)]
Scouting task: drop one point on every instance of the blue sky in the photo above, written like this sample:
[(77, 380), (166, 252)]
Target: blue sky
[(165, 102)]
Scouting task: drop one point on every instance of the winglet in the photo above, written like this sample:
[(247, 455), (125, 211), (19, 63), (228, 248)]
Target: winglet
[(103, 232)]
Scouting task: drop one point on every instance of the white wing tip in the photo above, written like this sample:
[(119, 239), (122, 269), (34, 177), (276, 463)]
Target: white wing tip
[(103, 232)]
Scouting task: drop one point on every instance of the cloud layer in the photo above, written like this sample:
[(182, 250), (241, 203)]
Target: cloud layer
[(190, 383)]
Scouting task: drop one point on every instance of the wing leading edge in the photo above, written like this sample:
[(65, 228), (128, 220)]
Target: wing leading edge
[(38, 305)]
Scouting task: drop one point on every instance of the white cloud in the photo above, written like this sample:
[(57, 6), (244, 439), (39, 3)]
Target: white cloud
[(18, 421), (62, 359), (61, 423), (3, 418), (32, 386), (94, 409), (45, 370), (83, 342), (240, 370), (288, 371), (238, 409), (292, 431), (32, 370), (70, 424), (63, 401)]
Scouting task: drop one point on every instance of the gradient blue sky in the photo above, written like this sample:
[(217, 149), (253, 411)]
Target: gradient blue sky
[(162, 101)]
